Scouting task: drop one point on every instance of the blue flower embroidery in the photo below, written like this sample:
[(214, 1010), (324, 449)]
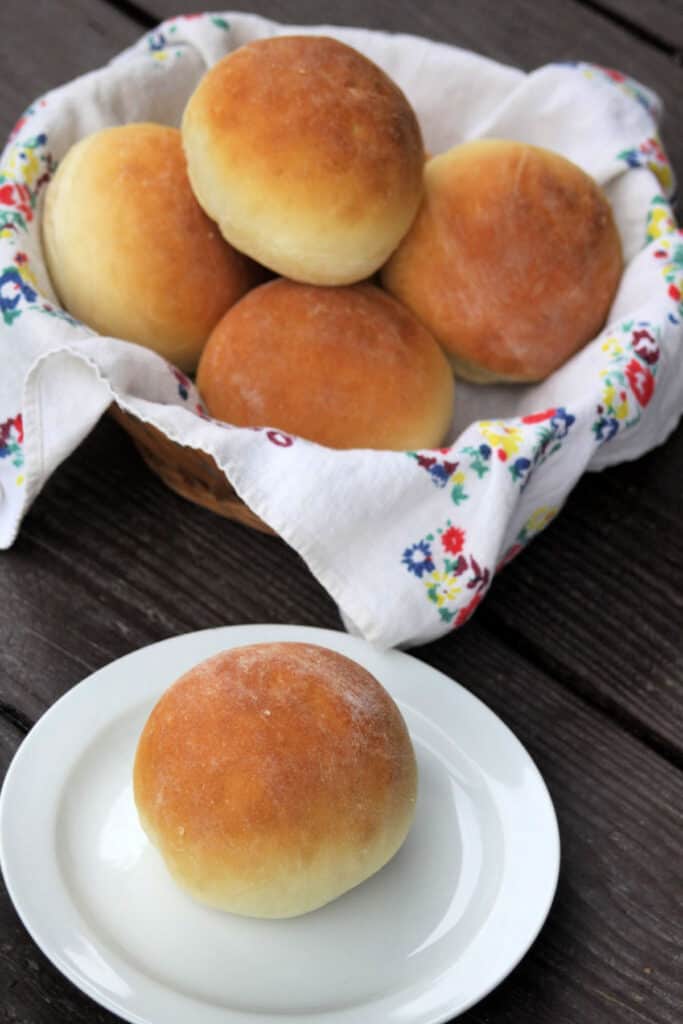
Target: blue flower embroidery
[(561, 423), (605, 428), (13, 288), (418, 558)]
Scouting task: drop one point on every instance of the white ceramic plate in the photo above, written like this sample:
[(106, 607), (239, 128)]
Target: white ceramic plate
[(418, 943)]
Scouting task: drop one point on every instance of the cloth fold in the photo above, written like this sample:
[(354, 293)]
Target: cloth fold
[(407, 543)]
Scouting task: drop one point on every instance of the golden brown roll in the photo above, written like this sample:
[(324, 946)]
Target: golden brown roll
[(307, 155), (274, 777), (130, 251), (346, 367), (512, 261)]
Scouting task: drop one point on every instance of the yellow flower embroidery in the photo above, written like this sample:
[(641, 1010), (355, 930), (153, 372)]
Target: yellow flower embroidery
[(499, 435), (442, 587), (23, 164), (659, 223)]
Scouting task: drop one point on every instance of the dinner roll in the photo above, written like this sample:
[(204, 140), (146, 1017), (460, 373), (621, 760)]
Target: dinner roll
[(307, 155), (512, 261), (272, 778), (130, 251), (346, 367)]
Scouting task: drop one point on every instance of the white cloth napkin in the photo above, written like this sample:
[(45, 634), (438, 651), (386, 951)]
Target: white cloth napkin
[(406, 543)]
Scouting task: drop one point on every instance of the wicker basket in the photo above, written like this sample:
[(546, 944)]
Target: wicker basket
[(189, 472)]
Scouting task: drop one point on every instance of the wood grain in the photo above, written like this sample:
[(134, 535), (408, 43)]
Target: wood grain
[(660, 20), (578, 646), (597, 599), (608, 953), (50, 42), (31, 989), (114, 561), (621, 876), (637, 674), (524, 33)]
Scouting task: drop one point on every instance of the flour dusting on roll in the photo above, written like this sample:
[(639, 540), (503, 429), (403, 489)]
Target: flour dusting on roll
[(512, 262), (129, 249), (275, 777), (346, 367), (307, 155)]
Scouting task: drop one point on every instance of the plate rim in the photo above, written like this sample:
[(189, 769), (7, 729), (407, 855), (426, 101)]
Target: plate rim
[(250, 632)]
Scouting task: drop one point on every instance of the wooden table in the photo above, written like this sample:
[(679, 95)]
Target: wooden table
[(579, 645)]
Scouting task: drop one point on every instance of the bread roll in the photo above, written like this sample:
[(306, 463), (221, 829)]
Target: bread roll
[(346, 367), (130, 251), (307, 155), (512, 261), (273, 778)]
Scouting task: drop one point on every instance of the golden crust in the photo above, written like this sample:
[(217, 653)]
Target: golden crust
[(307, 155), (346, 367), (512, 261), (129, 249), (274, 777)]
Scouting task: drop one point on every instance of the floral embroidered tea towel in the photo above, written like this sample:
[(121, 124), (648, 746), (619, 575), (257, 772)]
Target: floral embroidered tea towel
[(406, 542)]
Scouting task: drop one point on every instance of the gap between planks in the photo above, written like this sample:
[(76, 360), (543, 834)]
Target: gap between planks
[(148, 20), (17, 719), (522, 647), (616, 713), (134, 12), (636, 28)]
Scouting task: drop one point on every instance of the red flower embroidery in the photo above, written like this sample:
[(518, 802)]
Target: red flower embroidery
[(674, 292), (539, 417), (14, 194), (16, 423), (645, 345), (641, 380), (453, 540)]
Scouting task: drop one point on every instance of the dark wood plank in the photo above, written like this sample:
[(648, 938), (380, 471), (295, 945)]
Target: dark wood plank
[(597, 599), (114, 561), (50, 43), (594, 578), (525, 33), (108, 560), (660, 19), (608, 953), (610, 948), (639, 673), (32, 991)]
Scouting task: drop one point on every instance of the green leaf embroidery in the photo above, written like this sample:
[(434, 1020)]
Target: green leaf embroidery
[(458, 494)]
